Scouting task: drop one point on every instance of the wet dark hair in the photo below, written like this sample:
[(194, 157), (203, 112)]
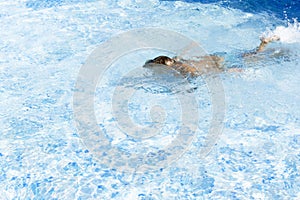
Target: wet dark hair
[(163, 60)]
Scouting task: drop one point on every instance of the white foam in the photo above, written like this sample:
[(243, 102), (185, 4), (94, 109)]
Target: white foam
[(289, 34)]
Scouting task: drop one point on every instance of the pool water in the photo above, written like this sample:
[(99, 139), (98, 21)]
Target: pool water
[(43, 46)]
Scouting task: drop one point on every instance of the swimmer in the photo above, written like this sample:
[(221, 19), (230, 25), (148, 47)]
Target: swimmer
[(193, 68), (205, 64)]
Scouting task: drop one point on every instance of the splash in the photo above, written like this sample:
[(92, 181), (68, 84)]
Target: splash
[(289, 34)]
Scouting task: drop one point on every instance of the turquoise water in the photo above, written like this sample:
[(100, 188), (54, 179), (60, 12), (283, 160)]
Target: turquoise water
[(43, 46)]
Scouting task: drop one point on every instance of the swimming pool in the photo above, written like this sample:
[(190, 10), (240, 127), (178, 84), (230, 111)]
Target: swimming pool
[(44, 154)]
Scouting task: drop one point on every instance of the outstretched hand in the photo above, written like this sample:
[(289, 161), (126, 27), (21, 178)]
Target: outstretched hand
[(270, 39)]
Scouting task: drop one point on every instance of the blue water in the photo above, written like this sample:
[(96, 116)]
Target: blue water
[(43, 46), (282, 9)]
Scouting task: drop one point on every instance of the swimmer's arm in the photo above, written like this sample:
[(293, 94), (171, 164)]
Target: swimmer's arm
[(263, 43)]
